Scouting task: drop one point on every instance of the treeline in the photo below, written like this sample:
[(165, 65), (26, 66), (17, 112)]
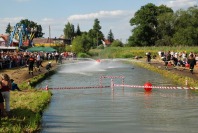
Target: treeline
[(161, 26)]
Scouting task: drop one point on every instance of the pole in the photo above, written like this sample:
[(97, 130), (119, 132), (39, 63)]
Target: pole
[(49, 34)]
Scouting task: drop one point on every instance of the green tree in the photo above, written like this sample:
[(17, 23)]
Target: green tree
[(145, 22), (8, 29), (186, 27), (116, 43), (110, 36), (96, 34), (165, 29), (32, 27), (78, 32), (69, 31), (81, 44)]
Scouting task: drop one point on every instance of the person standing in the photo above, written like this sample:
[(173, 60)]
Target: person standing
[(1, 103), (38, 62), (30, 63), (5, 91), (192, 62), (148, 57), (56, 56), (167, 59)]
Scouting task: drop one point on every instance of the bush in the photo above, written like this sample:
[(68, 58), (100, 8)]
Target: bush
[(83, 55)]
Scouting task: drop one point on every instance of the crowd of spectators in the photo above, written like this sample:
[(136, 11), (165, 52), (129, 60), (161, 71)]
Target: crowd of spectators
[(181, 59), (10, 59)]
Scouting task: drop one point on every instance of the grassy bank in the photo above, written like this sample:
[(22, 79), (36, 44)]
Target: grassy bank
[(26, 107), (176, 78), (131, 52)]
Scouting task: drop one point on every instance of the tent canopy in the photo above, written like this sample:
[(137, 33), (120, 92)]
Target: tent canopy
[(39, 49)]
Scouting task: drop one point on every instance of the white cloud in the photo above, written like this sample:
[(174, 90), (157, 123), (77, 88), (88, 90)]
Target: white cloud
[(5, 21), (117, 21), (178, 4), (100, 14), (10, 20)]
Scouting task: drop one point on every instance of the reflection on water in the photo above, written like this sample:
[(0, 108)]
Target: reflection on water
[(120, 111)]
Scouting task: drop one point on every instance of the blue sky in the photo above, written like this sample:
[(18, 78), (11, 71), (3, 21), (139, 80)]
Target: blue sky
[(112, 14)]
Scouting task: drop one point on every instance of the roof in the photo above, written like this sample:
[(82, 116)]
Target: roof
[(3, 47), (107, 42), (4, 36), (42, 40), (39, 49), (1, 39)]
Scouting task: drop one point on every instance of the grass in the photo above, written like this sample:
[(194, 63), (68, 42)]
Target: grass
[(26, 108), (26, 111), (130, 52), (176, 78)]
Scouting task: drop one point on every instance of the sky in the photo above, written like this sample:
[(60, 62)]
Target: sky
[(113, 15)]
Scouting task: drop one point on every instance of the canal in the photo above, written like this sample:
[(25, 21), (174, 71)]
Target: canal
[(122, 110)]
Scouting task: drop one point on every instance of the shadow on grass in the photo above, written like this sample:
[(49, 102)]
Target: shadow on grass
[(20, 120)]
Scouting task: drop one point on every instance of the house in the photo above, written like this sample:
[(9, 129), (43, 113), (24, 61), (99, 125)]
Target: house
[(4, 40), (106, 43), (4, 43)]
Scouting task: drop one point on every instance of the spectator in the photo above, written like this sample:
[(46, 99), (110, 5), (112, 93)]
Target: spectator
[(14, 85), (148, 57), (192, 62), (38, 62), (1, 103), (56, 56), (167, 59), (5, 90), (48, 66), (30, 63)]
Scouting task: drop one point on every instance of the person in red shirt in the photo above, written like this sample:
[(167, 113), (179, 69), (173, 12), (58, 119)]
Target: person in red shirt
[(30, 63), (1, 103), (5, 91)]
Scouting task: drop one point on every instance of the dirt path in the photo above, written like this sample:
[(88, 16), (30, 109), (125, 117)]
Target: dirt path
[(22, 74)]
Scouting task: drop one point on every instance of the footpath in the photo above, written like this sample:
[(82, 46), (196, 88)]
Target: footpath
[(21, 74)]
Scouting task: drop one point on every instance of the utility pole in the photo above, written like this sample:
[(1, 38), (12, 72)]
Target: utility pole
[(97, 39), (49, 34)]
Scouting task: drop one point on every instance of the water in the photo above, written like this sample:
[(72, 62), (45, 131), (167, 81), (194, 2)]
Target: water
[(128, 110)]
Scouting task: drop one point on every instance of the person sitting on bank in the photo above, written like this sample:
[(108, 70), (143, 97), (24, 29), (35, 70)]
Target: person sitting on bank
[(48, 66), (14, 86)]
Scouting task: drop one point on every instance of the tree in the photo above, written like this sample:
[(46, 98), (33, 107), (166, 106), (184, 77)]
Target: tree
[(8, 29), (96, 34), (116, 43), (69, 31), (78, 32), (145, 22), (81, 44), (32, 27), (165, 29), (186, 27), (110, 36)]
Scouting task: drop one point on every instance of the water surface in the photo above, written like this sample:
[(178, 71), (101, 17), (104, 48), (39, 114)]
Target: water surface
[(128, 110)]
